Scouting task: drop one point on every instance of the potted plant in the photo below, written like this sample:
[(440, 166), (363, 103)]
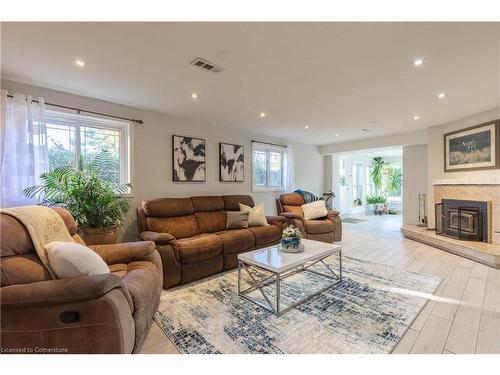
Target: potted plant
[(291, 240), (95, 201), (375, 203)]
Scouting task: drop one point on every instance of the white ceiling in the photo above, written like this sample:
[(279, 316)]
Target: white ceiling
[(334, 77)]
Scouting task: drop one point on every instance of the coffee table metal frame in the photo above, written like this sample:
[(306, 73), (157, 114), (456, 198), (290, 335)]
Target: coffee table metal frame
[(277, 277)]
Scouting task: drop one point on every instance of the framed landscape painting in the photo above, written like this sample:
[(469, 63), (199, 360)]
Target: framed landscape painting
[(188, 159), (473, 148), (231, 162)]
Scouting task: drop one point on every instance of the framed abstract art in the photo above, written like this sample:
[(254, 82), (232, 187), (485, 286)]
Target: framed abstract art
[(231, 163), (188, 159)]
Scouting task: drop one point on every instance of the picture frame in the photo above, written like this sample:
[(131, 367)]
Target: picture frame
[(231, 162), (188, 159), (473, 148)]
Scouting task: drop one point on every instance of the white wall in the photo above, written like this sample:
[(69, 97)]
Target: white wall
[(414, 180), (409, 138), (435, 154), (152, 152)]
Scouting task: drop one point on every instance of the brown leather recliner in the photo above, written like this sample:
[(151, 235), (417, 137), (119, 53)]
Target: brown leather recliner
[(327, 229), (191, 236), (108, 313)]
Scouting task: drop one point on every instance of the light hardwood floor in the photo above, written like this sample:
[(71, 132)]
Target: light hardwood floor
[(462, 317)]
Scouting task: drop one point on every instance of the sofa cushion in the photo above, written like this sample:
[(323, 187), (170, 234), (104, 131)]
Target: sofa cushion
[(236, 240), (201, 247), (256, 215), (294, 209), (236, 220), (168, 207), (232, 202), (207, 203), (266, 234), (314, 210), (209, 222), (179, 227), (70, 259), (292, 199), (319, 226)]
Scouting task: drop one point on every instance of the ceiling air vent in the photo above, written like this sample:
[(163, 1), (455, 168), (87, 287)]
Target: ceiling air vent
[(207, 65)]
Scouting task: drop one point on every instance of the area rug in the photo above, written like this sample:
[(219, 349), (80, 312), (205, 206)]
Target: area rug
[(351, 220), (368, 312)]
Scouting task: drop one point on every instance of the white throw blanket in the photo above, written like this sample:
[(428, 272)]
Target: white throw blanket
[(44, 225)]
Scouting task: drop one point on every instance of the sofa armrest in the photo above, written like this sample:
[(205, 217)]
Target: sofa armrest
[(126, 252), (157, 237), (276, 220), (53, 292), (332, 214)]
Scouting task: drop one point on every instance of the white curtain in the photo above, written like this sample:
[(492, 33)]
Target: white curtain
[(23, 147), (289, 184)]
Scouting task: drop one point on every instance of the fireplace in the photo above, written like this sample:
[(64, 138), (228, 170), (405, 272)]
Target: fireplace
[(463, 220)]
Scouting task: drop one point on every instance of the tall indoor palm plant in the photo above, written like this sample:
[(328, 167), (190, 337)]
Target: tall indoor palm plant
[(394, 180), (377, 172), (94, 200)]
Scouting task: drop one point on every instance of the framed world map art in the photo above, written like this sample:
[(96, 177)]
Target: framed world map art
[(473, 148), (231, 162), (188, 159)]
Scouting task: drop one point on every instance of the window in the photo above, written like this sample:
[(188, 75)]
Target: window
[(70, 137), (268, 167)]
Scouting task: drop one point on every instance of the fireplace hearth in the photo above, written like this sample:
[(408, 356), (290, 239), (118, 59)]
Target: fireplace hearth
[(462, 219)]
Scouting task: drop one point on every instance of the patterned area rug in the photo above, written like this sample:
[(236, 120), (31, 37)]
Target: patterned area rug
[(368, 312)]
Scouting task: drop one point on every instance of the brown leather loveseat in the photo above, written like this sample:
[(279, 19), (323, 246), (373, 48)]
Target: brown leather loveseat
[(327, 229), (191, 236), (107, 313)]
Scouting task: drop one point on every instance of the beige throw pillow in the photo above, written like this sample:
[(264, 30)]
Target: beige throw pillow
[(70, 259), (314, 210), (236, 220), (256, 215)]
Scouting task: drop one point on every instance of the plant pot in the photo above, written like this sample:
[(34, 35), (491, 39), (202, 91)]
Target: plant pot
[(105, 236)]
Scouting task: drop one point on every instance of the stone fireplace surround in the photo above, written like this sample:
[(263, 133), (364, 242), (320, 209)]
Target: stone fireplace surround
[(475, 192), (485, 190)]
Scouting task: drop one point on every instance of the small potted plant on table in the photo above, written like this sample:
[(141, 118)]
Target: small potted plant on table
[(291, 240)]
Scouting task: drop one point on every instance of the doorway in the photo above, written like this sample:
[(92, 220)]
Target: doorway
[(354, 185)]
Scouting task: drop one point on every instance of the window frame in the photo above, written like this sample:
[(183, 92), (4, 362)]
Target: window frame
[(267, 148), (124, 128)]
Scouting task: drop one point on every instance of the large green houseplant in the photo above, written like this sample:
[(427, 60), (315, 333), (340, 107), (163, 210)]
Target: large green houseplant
[(86, 190)]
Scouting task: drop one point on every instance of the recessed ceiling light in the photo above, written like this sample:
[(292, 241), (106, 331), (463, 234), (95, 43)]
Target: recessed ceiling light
[(418, 62), (336, 134), (416, 117), (194, 95), (263, 114), (441, 95), (365, 130), (306, 127), (79, 63)]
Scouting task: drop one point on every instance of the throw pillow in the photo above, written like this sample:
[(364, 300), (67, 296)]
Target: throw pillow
[(236, 220), (314, 210), (256, 215), (71, 259)]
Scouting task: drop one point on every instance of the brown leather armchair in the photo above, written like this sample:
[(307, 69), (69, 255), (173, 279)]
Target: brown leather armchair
[(108, 313), (327, 229)]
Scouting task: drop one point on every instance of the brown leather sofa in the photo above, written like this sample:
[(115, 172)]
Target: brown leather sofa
[(191, 236), (108, 313), (327, 229)]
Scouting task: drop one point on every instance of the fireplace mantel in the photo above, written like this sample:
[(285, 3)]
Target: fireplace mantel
[(489, 180)]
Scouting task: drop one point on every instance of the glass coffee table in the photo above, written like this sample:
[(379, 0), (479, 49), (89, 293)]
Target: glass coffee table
[(279, 266)]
